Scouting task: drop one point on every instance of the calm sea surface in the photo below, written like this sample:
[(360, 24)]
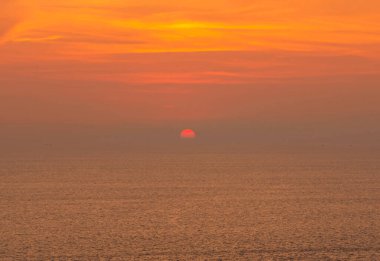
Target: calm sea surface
[(191, 207)]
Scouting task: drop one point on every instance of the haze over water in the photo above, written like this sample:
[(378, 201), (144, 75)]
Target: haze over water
[(191, 207)]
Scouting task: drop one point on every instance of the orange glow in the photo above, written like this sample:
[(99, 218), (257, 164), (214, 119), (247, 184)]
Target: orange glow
[(104, 27), (150, 61)]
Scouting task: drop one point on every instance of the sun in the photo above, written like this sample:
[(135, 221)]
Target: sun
[(188, 134)]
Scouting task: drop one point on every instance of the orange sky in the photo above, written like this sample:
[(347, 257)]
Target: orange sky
[(122, 61), (85, 27)]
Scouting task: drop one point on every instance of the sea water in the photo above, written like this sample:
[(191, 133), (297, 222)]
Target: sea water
[(190, 207)]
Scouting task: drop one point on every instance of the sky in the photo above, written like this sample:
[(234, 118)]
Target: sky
[(132, 74)]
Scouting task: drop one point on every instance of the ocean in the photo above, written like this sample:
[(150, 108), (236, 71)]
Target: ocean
[(191, 207)]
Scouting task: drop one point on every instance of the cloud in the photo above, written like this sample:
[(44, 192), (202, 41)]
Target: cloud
[(100, 27), (8, 20), (12, 13)]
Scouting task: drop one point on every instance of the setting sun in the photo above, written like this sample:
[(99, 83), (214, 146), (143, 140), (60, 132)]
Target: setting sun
[(188, 134)]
